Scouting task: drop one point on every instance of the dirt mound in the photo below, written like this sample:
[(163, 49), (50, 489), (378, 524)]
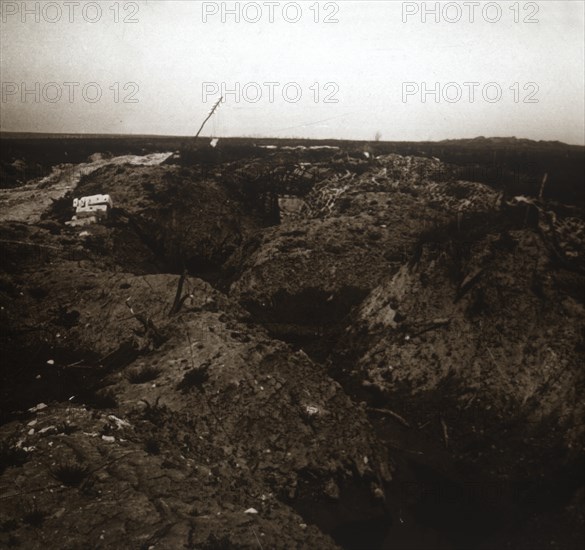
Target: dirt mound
[(196, 418), (143, 406), (303, 277), (186, 220), (28, 202), (478, 343), (505, 330)]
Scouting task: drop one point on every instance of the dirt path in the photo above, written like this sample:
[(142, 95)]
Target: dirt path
[(27, 204)]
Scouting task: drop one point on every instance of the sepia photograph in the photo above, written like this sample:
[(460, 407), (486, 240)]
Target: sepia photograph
[(292, 275)]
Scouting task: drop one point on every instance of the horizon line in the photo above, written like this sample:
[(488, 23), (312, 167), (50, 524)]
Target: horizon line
[(191, 137)]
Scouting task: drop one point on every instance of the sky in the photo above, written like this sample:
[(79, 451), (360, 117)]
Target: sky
[(346, 69)]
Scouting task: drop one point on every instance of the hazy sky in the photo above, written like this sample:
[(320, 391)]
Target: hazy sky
[(361, 64)]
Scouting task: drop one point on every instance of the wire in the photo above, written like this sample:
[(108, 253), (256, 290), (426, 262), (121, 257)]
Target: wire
[(312, 123)]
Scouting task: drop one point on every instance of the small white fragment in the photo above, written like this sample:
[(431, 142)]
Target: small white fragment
[(311, 411), (51, 361), (251, 511), (31, 431), (38, 407), (32, 423), (366, 460), (108, 438), (378, 493), (47, 429), (119, 422)]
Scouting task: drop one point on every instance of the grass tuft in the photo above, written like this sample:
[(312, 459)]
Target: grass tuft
[(71, 474)]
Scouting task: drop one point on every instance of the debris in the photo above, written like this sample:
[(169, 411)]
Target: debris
[(179, 298), (311, 411), (377, 491), (445, 433), (47, 429), (119, 422), (332, 490), (89, 210), (38, 407), (230, 422), (388, 412)]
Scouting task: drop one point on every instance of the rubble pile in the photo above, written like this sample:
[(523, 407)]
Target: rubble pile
[(427, 179)]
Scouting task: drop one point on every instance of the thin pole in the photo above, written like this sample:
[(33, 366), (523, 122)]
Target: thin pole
[(208, 117)]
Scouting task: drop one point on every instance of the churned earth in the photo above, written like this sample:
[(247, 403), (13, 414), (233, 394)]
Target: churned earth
[(395, 364)]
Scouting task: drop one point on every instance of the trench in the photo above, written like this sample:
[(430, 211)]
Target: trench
[(429, 504), (434, 501), (309, 320)]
